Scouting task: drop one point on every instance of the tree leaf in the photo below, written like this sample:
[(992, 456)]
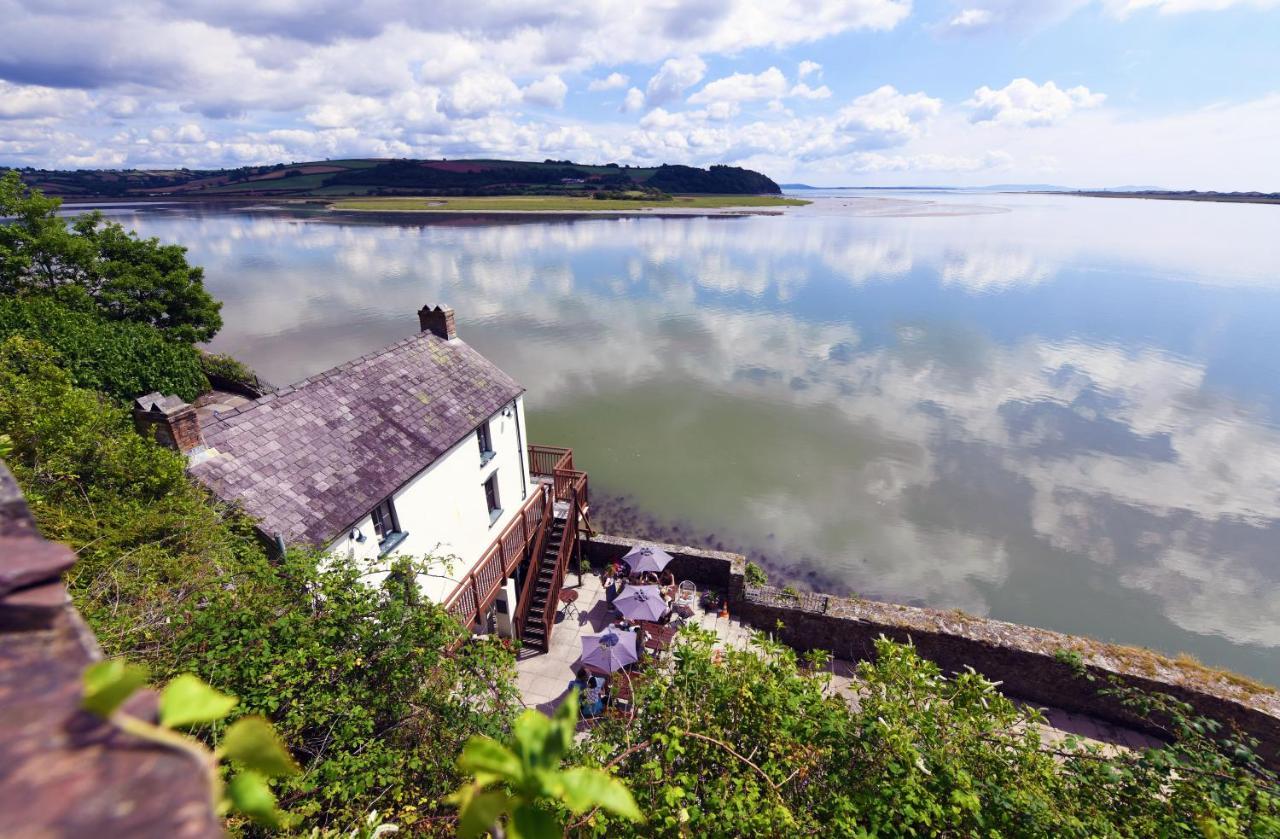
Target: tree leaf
[(531, 730), (486, 756), (250, 795), (528, 822), (253, 742), (481, 812), (108, 684), (188, 701), (585, 788)]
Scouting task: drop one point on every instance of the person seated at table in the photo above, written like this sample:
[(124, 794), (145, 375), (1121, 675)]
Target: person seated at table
[(579, 681), (592, 697), (649, 578), (624, 623), (668, 582)]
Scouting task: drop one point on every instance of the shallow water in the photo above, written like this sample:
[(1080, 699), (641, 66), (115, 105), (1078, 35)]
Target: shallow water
[(1053, 410)]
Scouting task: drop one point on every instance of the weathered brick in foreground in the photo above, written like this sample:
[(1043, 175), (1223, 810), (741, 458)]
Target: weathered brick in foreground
[(64, 772)]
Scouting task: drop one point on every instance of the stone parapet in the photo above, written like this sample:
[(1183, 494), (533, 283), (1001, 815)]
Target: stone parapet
[(1030, 664)]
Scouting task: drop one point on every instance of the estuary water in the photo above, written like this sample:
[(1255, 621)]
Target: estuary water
[(1054, 410)]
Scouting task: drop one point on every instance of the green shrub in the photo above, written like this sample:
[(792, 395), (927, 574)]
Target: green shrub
[(731, 742), (755, 576), (227, 367), (123, 359)]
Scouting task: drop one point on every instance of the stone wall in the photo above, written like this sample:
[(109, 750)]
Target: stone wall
[(1024, 659), (64, 772)]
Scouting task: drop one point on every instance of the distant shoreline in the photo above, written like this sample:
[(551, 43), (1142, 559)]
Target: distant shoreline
[(1218, 197), (678, 205)]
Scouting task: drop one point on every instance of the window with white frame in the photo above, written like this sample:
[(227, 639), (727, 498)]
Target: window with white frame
[(491, 497), (387, 526), (485, 437)]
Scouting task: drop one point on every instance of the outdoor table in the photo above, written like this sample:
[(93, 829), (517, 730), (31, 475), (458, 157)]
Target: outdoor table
[(658, 637), (569, 600)]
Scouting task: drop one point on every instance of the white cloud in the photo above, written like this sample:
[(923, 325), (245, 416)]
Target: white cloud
[(808, 68), (1123, 8), (971, 19), (19, 101), (743, 87), (886, 117), (803, 91), (549, 92), (674, 77), (1023, 102), (613, 81), (479, 92), (633, 101)]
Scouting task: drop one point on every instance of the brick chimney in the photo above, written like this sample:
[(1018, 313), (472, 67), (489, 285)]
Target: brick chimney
[(438, 321), (168, 420)]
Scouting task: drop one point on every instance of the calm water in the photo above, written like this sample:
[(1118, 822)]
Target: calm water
[(1053, 410)]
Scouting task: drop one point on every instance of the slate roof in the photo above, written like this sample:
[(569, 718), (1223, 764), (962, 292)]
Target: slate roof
[(311, 459)]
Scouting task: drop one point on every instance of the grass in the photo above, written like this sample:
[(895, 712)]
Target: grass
[(559, 203)]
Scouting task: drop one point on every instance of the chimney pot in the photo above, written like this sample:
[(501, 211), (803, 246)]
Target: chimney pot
[(168, 420), (438, 321)]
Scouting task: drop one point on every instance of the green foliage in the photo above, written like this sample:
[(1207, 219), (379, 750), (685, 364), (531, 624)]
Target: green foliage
[(755, 576), (109, 683), (748, 743), (224, 366), (354, 675), (717, 180), (524, 782), (94, 263), (187, 701), (125, 360)]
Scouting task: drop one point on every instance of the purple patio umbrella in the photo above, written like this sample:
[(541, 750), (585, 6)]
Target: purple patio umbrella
[(644, 558), (611, 650), (641, 603)]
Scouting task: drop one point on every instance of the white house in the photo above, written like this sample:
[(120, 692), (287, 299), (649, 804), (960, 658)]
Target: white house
[(417, 449)]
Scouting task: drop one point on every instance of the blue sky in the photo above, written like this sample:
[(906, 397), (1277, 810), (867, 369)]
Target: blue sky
[(1175, 93)]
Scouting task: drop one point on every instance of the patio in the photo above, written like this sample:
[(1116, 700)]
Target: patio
[(544, 678)]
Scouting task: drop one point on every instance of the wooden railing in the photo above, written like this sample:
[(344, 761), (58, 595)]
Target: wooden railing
[(476, 592), (526, 535), (521, 616), (567, 546), (545, 460), (556, 463)]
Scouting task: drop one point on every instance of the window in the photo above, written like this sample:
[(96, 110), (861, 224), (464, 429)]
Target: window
[(486, 443), (387, 526), (491, 496)]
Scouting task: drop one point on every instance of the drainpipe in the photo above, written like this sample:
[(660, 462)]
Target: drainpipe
[(280, 545), (524, 488)]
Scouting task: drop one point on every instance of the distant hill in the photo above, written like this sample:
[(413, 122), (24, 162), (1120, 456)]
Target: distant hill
[(330, 178)]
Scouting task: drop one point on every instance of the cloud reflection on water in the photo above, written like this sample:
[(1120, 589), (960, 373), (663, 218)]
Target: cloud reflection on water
[(967, 457)]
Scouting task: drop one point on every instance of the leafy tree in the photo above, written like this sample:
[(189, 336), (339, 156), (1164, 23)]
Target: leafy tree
[(525, 783), (92, 262), (124, 360)]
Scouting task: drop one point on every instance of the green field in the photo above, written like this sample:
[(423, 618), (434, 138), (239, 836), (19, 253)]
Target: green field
[(558, 203)]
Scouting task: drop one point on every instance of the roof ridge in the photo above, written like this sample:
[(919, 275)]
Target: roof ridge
[(289, 389)]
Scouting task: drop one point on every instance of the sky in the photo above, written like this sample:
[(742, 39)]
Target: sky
[(1179, 94)]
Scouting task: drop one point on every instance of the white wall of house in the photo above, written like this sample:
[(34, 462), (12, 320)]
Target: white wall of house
[(444, 509)]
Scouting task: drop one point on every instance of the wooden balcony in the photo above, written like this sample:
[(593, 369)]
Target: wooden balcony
[(560, 489), (554, 465)]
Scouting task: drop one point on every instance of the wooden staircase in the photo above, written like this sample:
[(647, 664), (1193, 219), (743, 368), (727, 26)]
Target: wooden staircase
[(545, 596)]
